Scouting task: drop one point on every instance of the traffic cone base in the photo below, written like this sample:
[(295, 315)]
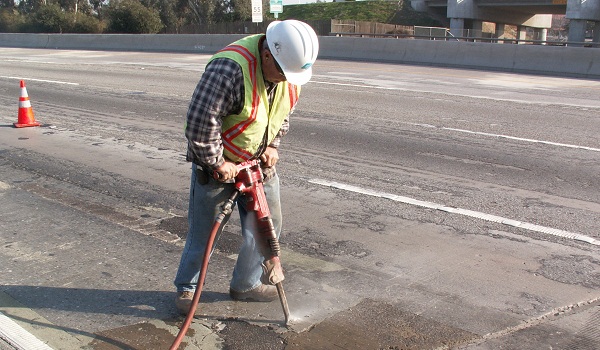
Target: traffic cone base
[(26, 117), (17, 125)]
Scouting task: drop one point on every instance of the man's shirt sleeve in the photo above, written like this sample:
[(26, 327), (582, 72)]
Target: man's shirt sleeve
[(218, 94)]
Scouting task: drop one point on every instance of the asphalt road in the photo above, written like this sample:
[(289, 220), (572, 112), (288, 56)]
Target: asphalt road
[(425, 208)]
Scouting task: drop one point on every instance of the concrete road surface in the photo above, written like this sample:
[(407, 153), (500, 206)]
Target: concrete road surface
[(424, 209)]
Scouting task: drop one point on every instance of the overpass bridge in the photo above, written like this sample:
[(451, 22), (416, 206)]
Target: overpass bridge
[(536, 14)]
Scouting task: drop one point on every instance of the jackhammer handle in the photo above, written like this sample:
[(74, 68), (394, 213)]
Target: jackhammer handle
[(240, 166)]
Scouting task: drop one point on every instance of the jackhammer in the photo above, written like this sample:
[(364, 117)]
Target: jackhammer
[(249, 183)]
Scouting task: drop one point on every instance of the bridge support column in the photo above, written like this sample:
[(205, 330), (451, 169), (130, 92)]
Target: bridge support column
[(521, 34), (500, 28), (577, 31), (541, 34), (579, 12), (477, 31), (457, 26)]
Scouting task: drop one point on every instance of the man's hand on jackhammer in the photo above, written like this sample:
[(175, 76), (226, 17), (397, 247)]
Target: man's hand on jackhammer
[(227, 171), (272, 271), (270, 157)]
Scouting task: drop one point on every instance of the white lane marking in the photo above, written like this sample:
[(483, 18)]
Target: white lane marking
[(19, 337), (40, 80), (466, 212), (361, 85), (523, 139), (508, 137)]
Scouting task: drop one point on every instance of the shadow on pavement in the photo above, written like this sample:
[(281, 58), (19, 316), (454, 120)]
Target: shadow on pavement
[(136, 303)]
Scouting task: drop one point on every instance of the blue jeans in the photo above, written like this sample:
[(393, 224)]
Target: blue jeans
[(204, 206)]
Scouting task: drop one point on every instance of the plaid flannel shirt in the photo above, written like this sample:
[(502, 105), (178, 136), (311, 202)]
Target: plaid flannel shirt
[(219, 93)]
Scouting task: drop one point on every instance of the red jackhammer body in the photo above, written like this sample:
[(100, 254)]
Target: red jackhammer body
[(248, 183)]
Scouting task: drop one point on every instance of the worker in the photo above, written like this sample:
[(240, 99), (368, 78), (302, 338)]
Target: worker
[(239, 111)]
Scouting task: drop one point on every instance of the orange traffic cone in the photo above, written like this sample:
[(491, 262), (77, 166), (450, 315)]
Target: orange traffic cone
[(26, 117)]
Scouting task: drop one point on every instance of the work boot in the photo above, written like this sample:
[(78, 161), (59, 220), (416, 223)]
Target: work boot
[(183, 301), (263, 292)]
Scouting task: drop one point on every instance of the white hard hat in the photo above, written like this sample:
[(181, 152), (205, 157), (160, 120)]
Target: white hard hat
[(295, 46)]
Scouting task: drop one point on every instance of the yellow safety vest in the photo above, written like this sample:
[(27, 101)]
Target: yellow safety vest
[(242, 134)]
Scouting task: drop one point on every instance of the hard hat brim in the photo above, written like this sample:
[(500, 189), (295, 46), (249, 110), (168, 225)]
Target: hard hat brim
[(298, 78)]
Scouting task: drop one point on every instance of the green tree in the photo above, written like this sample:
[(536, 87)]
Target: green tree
[(202, 10), (223, 11), (97, 6), (49, 19), (130, 16), (30, 6), (166, 11), (80, 6), (9, 4), (84, 23), (10, 21), (242, 10)]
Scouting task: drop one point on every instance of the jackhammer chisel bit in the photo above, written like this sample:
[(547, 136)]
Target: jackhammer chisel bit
[(284, 303)]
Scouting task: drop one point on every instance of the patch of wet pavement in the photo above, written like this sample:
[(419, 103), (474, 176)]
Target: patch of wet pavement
[(241, 335), (373, 324), (159, 335), (136, 337)]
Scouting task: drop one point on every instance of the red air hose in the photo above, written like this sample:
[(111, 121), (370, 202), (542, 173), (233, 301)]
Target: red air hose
[(225, 212), (198, 291)]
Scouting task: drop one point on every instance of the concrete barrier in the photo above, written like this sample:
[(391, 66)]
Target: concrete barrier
[(539, 59), (120, 42)]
